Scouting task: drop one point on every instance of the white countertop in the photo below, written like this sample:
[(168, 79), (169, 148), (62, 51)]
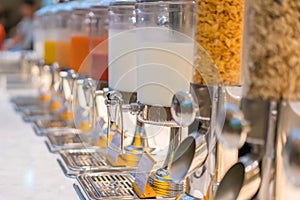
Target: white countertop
[(27, 169)]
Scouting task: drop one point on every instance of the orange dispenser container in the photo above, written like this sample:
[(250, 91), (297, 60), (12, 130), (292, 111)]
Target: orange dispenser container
[(99, 43)]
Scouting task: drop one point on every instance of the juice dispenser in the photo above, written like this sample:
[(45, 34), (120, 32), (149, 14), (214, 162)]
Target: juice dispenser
[(39, 31), (51, 35), (80, 42), (121, 100), (63, 47), (164, 65), (99, 44)]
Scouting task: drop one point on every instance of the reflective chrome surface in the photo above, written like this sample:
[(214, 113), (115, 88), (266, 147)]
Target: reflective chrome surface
[(235, 129), (242, 180), (291, 156), (108, 185), (188, 157), (184, 108)]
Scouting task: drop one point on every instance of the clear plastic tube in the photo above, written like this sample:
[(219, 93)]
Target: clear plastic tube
[(271, 65), (218, 32)]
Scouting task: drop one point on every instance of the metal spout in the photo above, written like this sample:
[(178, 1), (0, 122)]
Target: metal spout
[(242, 180), (188, 157), (175, 138), (141, 142)]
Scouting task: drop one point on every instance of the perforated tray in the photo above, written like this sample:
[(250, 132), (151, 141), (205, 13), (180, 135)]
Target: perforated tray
[(21, 101), (67, 139), (108, 185), (92, 159), (52, 123), (45, 126), (84, 159), (38, 113)]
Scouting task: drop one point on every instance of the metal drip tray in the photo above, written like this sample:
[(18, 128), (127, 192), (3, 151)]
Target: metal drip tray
[(67, 139), (25, 101), (52, 123), (78, 161), (108, 185), (37, 113), (45, 126), (26, 108), (87, 159)]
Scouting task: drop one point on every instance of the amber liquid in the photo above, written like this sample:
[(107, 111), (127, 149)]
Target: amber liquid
[(79, 51), (63, 54), (50, 48)]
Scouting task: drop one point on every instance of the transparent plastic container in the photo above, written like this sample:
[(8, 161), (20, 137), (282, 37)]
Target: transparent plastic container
[(99, 43), (165, 46), (63, 46), (80, 41), (271, 65), (51, 35), (121, 46), (39, 32), (219, 27)]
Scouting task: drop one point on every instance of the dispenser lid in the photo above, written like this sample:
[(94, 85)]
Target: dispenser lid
[(105, 2), (52, 9), (41, 11), (123, 3), (65, 7), (84, 5), (171, 1)]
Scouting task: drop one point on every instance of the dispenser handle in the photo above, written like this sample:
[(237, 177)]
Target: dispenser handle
[(114, 102), (235, 129), (89, 90), (184, 108)]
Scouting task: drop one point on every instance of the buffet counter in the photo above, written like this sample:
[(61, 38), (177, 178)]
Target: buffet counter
[(27, 170)]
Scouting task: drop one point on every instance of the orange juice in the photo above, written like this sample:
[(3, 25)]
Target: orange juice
[(50, 47), (63, 54), (99, 59), (97, 40), (79, 51)]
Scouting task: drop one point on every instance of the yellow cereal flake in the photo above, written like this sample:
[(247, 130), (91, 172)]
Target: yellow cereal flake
[(219, 31)]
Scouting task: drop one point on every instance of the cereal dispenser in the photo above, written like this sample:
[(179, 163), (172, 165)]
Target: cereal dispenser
[(267, 166)]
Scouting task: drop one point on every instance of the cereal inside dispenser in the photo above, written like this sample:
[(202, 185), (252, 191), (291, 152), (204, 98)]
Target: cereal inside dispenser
[(272, 49), (219, 26)]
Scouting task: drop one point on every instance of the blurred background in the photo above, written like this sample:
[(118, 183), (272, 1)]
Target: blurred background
[(10, 14)]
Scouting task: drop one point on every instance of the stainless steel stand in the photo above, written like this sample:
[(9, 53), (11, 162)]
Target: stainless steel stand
[(160, 179)]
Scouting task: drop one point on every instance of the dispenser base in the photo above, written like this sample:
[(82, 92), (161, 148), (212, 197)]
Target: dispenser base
[(163, 185)]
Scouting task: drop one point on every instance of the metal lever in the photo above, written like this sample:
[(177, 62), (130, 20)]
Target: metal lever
[(234, 131), (184, 108), (291, 152), (192, 152), (114, 104)]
